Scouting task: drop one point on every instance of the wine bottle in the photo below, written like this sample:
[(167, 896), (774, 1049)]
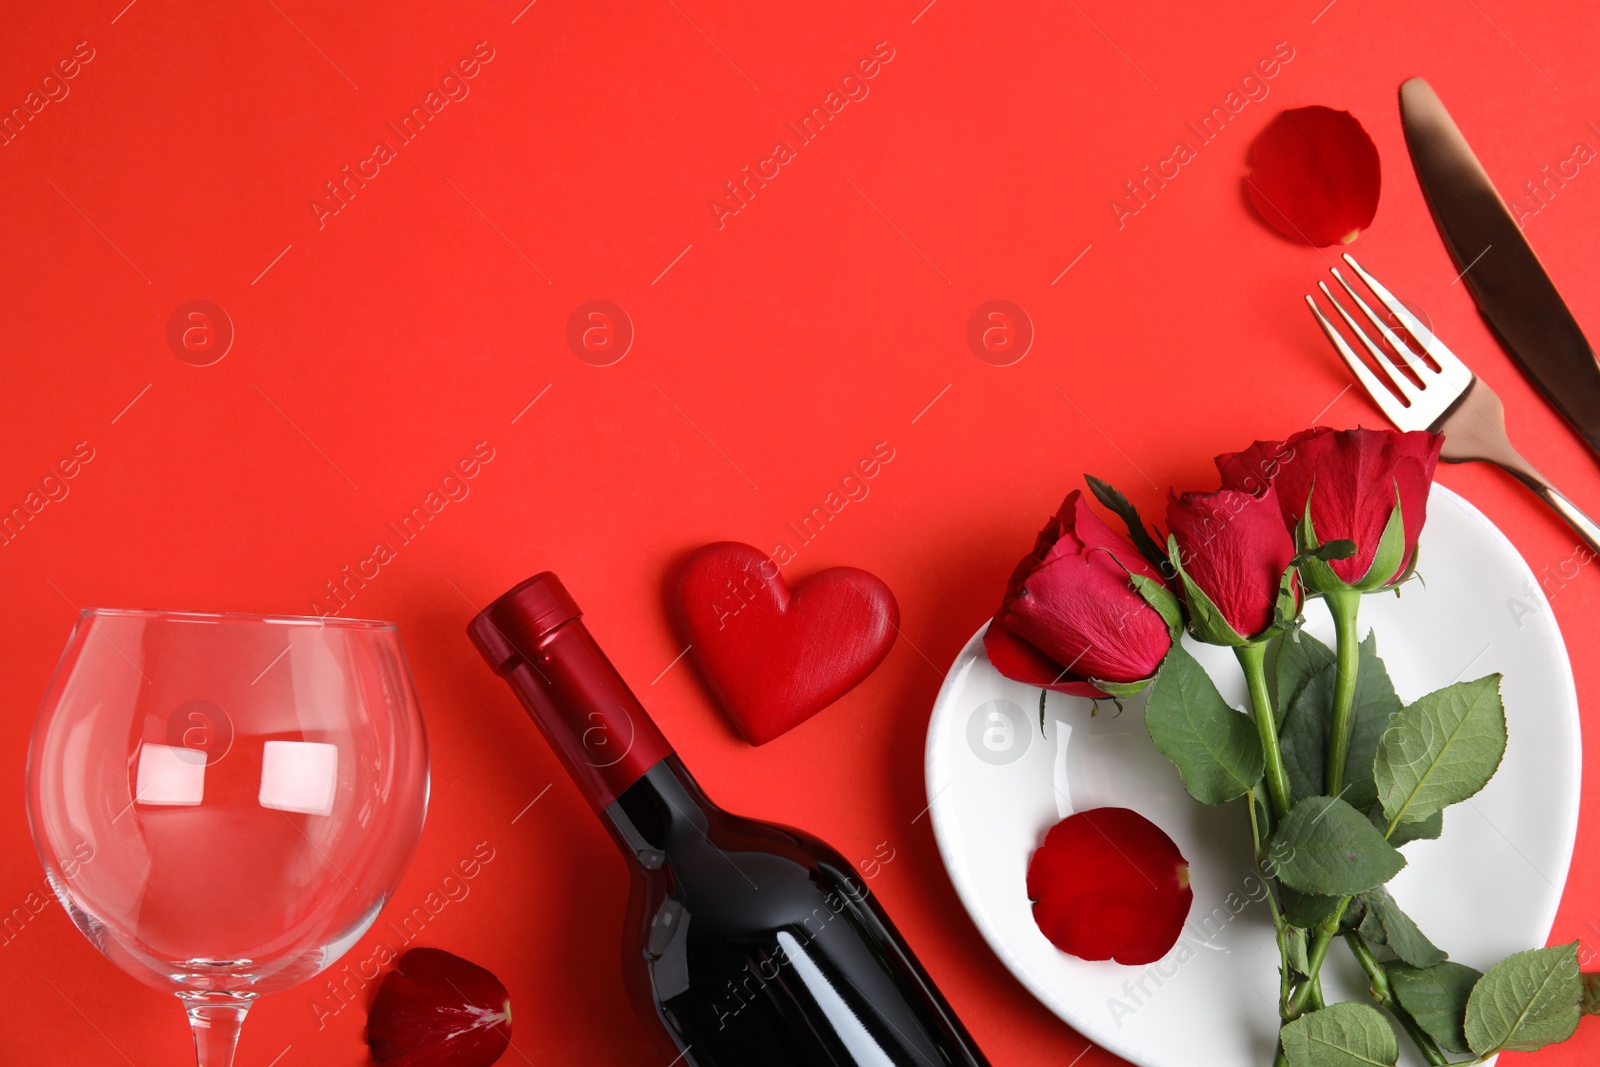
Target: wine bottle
[(748, 944)]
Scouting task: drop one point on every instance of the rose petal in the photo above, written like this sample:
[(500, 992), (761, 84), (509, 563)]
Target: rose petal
[(1022, 662), (1314, 175), (1351, 478), (439, 1010), (1235, 548), (1072, 610), (1109, 884)]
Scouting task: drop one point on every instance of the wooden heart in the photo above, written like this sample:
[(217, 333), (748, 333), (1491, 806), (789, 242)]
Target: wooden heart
[(772, 656)]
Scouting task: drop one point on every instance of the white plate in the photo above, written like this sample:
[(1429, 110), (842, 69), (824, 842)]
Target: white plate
[(1487, 888)]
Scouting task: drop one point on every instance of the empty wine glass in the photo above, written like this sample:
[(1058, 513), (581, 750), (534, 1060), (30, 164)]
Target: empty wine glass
[(223, 803)]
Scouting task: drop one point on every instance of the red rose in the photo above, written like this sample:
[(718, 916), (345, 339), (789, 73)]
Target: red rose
[(1109, 884), (1234, 548), (1352, 479), (1071, 613)]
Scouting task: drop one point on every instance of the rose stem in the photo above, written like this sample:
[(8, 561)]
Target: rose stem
[(1314, 957), (1342, 604), (1384, 995), (1253, 659), (1279, 926)]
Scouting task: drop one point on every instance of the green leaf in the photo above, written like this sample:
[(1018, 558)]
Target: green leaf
[(1314, 570), (1339, 548), (1391, 551), (1427, 829), (1436, 997), (1295, 942), (1341, 1035), (1327, 847), (1384, 923), (1116, 502), (1387, 557), (1441, 749), (1526, 1001), (1119, 691), (1286, 607), (1306, 910), (1294, 660), (1304, 733), (1215, 748), (1591, 993), (1303, 737), (1158, 596), (1373, 712)]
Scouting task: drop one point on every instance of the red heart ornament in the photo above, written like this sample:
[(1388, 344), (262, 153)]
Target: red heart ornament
[(772, 656)]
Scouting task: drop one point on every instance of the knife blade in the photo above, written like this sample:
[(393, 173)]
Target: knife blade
[(1499, 267)]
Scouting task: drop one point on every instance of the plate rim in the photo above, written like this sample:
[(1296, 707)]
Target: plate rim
[(942, 831)]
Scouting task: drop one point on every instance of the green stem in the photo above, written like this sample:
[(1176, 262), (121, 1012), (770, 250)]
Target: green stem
[(1253, 660), (1279, 926), (1378, 983), (1343, 605), (1315, 954)]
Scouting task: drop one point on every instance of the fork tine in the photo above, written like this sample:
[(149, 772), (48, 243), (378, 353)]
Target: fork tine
[(1430, 343), (1375, 389), (1402, 384), (1399, 347)]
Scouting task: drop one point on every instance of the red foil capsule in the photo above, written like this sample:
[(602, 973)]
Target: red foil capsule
[(534, 637)]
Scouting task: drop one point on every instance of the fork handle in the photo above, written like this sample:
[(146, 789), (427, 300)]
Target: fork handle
[(1582, 524)]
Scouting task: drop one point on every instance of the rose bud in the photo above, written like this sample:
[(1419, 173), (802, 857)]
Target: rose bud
[(1365, 487), (1109, 884), (1234, 558), (1078, 616)]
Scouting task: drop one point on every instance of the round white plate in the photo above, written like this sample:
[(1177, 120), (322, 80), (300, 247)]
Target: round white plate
[(1487, 888)]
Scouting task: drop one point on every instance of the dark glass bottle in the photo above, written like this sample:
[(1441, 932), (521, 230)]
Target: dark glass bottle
[(749, 945)]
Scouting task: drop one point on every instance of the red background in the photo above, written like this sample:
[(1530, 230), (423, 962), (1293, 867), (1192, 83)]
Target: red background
[(374, 352)]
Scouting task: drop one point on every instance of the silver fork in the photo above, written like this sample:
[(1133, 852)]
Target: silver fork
[(1451, 400)]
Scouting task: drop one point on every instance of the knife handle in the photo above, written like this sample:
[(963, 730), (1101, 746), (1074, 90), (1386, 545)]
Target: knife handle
[(1581, 523)]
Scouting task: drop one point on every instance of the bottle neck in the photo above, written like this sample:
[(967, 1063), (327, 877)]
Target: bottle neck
[(605, 738), (664, 807)]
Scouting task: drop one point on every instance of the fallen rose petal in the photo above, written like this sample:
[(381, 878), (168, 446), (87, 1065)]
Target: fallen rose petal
[(1314, 175), (1109, 884), (438, 1010)]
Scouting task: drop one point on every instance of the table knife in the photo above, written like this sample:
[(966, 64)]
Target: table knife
[(1497, 264)]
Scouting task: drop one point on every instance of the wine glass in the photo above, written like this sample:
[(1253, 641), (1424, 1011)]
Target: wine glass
[(223, 803)]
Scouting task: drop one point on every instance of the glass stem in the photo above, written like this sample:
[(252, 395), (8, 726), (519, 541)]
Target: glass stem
[(215, 1018)]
